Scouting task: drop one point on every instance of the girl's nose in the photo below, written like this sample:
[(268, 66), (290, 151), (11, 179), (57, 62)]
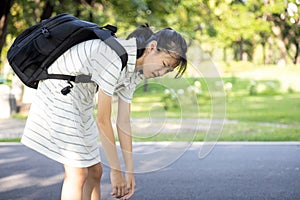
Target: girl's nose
[(163, 71)]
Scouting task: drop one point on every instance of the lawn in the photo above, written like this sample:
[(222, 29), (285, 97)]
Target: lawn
[(262, 109), (267, 106), (263, 114)]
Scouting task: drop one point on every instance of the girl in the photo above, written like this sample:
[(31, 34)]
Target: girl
[(62, 127)]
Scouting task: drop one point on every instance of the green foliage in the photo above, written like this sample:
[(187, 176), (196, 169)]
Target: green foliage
[(169, 99), (237, 25)]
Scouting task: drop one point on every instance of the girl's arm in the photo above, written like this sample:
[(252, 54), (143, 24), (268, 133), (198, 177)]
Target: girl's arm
[(109, 144), (124, 133), (125, 137), (106, 130)]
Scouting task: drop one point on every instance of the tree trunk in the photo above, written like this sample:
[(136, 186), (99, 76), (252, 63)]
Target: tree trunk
[(5, 6), (270, 55), (146, 85), (297, 54), (241, 45), (281, 45), (225, 55), (236, 51), (264, 52)]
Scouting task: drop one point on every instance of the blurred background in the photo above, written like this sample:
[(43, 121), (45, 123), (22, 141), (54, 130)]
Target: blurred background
[(254, 45)]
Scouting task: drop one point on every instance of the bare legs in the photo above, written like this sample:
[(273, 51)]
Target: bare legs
[(91, 188), (82, 183)]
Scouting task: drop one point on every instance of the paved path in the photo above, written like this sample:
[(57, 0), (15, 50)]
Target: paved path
[(233, 171)]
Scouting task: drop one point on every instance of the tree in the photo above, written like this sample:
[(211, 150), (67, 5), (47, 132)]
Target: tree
[(228, 24), (5, 6), (284, 19), (239, 26), (23, 14)]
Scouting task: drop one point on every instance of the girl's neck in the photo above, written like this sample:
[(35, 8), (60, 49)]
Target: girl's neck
[(139, 63)]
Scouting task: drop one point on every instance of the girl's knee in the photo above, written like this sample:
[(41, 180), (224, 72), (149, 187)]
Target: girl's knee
[(78, 175), (95, 171)]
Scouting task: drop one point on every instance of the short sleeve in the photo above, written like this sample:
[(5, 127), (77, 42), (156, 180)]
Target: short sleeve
[(129, 86), (125, 94), (106, 66)]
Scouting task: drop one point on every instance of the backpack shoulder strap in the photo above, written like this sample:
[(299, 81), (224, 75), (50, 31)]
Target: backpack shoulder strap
[(109, 39)]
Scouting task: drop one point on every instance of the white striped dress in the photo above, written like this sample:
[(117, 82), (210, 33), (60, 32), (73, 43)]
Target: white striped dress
[(62, 127)]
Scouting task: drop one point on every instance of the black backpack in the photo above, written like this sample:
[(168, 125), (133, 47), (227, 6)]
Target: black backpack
[(35, 49)]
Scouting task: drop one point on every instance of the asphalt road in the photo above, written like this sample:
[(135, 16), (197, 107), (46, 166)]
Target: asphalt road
[(231, 171)]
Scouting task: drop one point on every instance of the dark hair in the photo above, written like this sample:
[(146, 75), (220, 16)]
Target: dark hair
[(141, 34), (167, 40)]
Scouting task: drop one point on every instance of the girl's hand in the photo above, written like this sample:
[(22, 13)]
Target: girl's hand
[(130, 185), (118, 184)]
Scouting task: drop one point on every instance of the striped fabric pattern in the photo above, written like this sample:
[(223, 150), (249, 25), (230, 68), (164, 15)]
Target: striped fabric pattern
[(62, 127)]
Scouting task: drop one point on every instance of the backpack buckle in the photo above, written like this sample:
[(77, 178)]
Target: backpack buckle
[(67, 90), (112, 28), (45, 32)]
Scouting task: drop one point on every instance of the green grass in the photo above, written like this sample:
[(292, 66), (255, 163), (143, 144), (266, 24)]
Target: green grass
[(20, 116), (242, 131), (268, 115), (251, 131), (271, 113), (275, 107), (282, 108), (10, 140), (152, 103)]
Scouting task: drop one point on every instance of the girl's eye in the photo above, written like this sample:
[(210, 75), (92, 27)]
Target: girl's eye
[(164, 65), (169, 69)]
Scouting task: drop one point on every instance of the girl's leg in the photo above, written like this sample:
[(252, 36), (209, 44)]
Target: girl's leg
[(91, 189), (73, 183)]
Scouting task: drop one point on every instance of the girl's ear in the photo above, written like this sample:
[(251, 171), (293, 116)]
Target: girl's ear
[(150, 47), (153, 44)]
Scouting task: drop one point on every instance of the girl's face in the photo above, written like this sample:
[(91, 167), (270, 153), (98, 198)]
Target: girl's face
[(157, 63)]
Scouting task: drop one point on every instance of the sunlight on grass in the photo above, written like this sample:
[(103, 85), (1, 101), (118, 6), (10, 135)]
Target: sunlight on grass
[(268, 114), (242, 131), (281, 108), (10, 139), (252, 112)]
